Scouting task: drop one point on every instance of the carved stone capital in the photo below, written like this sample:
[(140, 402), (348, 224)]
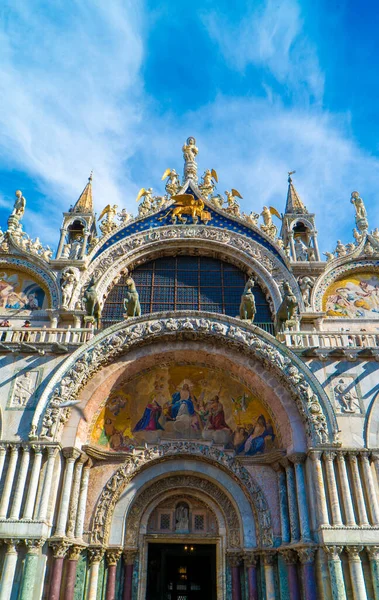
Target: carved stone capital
[(51, 451), (333, 552), (130, 555), (365, 455), (297, 458), (373, 552), (268, 557), (113, 556), (95, 554), (71, 454), (329, 456), (250, 559), (289, 556), (353, 552), (75, 551), (11, 545), (59, 548), (285, 463), (34, 546), (375, 456), (315, 455), (234, 559), (306, 555)]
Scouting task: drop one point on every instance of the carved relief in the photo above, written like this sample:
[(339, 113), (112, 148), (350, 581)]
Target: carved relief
[(24, 386), (346, 394)]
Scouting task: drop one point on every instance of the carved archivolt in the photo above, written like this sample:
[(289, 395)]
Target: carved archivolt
[(138, 248), (312, 402), (136, 462), (176, 482), (337, 272), (40, 275)]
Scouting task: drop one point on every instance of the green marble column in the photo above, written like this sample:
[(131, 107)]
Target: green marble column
[(373, 554), (29, 571), (335, 569)]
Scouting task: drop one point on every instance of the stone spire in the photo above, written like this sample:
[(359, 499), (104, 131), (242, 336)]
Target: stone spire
[(85, 203), (294, 204)]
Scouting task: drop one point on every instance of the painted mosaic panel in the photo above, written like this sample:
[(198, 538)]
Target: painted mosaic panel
[(19, 292), (184, 402), (354, 296)]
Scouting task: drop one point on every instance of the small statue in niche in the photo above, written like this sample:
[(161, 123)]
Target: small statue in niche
[(68, 283), (132, 305), (182, 518), (247, 306), (288, 309), (91, 303), (306, 285), (346, 397), (300, 250)]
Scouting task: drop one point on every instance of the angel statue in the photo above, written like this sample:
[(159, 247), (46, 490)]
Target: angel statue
[(124, 216), (233, 206), (109, 212), (209, 178), (172, 183), (268, 226), (147, 203)]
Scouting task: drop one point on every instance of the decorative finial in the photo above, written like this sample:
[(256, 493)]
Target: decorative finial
[(289, 176), (90, 176), (190, 152)]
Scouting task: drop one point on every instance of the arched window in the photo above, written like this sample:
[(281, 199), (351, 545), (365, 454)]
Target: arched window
[(187, 283)]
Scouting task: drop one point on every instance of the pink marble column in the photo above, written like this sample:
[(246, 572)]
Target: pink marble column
[(291, 560), (112, 556), (307, 557), (59, 552), (129, 558), (234, 560), (72, 562), (251, 559)]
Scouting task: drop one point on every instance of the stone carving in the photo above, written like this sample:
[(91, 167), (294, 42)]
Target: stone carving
[(360, 211), (233, 207), (182, 518), (24, 386), (247, 306), (95, 554), (340, 249), (91, 303), (19, 206), (173, 183), (132, 305), (59, 548), (69, 380), (208, 184), (69, 280), (268, 226), (345, 394), (306, 285), (108, 215), (288, 309), (113, 555), (190, 152), (117, 483), (124, 216)]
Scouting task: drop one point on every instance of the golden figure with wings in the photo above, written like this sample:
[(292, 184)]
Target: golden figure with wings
[(233, 206), (172, 183), (210, 178), (268, 226), (147, 203), (108, 224)]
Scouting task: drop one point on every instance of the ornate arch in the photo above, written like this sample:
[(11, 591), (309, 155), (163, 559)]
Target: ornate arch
[(302, 219), (313, 404), (345, 267), (177, 451), (42, 275), (227, 245)]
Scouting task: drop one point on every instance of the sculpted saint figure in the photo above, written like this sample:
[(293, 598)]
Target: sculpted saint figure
[(190, 151), (19, 206), (360, 210)]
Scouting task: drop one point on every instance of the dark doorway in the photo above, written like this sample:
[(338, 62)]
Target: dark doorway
[(181, 572)]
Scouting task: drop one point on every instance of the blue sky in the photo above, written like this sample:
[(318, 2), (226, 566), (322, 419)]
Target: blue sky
[(265, 87)]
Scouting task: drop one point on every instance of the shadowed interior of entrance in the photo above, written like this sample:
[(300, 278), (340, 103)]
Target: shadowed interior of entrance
[(181, 572)]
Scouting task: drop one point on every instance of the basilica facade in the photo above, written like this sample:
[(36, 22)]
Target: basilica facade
[(189, 404)]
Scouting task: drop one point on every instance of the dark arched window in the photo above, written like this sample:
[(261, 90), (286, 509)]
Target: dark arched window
[(187, 283)]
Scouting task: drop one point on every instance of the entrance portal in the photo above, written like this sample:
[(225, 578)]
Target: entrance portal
[(181, 572)]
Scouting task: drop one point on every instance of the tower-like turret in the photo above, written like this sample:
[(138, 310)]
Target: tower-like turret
[(78, 228), (298, 228)]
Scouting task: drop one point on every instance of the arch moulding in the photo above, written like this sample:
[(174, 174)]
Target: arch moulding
[(106, 347), (41, 275)]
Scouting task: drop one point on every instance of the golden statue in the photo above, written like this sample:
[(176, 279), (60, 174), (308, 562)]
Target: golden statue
[(109, 212), (186, 204), (147, 203), (172, 183), (209, 178), (233, 206), (190, 151), (268, 226)]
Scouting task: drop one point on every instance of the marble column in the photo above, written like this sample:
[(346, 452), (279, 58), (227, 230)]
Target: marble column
[(298, 460), (346, 492), (6, 493), (370, 488), (234, 560), (61, 242), (335, 570), (375, 460), (129, 559), (3, 453), (292, 500), (33, 483), (307, 560), (112, 556), (59, 552), (9, 568), (269, 562), (20, 487), (48, 480), (332, 487), (29, 571), (358, 490), (283, 503), (250, 560), (319, 489), (356, 572), (373, 554), (70, 454), (73, 508), (95, 554), (71, 564), (291, 560), (82, 500), (292, 245)]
